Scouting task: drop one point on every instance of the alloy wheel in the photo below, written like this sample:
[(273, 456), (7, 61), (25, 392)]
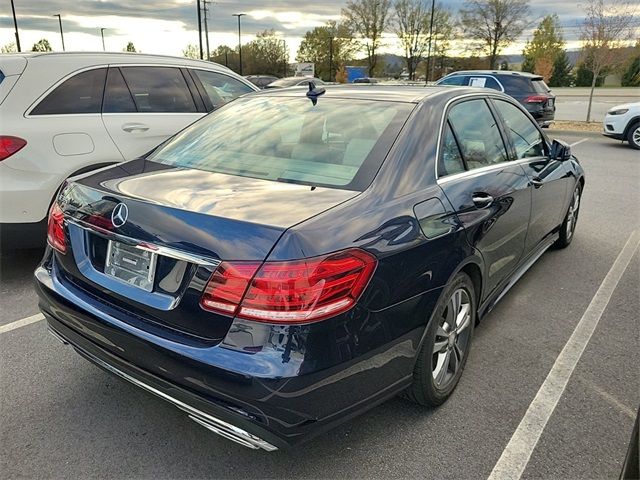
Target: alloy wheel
[(572, 215), (636, 136), (451, 339)]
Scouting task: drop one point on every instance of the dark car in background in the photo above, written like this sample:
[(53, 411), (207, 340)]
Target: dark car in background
[(367, 80), (294, 82), (275, 277), (261, 81), (528, 89)]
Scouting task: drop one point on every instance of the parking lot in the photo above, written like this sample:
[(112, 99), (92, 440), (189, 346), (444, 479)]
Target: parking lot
[(63, 417)]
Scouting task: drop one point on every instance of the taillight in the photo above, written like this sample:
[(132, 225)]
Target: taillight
[(10, 145), (536, 99), (299, 291), (55, 229)]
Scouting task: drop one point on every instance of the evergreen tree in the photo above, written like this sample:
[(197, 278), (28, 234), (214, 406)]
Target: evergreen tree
[(130, 48), (561, 74), (631, 77), (584, 76), (43, 45)]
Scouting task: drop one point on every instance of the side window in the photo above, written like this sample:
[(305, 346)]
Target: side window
[(81, 93), (477, 133), (159, 89), (451, 158), (524, 135), (117, 97), (221, 88), (455, 80), (485, 82)]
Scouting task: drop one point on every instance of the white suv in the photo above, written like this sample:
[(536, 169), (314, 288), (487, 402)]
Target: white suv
[(62, 114), (622, 122)]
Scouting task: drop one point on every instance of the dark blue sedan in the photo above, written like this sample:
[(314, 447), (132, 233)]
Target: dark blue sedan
[(301, 255)]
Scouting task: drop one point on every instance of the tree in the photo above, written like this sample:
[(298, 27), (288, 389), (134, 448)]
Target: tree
[(561, 73), (130, 48), (411, 24), (494, 24), (9, 48), (42, 45), (547, 44), (631, 74), (584, 76), (605, 30), (192, 51), (368, 19), (327, 47), (267, 54)]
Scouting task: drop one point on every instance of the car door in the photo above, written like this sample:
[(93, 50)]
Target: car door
[(549, 181), (488, 191), (144, 105)]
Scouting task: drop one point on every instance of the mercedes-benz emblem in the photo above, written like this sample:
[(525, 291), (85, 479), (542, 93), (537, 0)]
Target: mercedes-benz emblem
[(119, 215)]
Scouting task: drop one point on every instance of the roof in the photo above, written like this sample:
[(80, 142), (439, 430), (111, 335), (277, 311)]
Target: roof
[(495, 72), (376, 91)]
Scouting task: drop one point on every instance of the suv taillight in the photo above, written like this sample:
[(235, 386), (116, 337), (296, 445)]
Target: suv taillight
[(10, 145), (536, 99), (55, 229), (298, 291)]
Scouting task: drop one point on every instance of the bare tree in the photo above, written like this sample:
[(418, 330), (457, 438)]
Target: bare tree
[(606, 29), (368, 19), (410, 26), (494, 24)]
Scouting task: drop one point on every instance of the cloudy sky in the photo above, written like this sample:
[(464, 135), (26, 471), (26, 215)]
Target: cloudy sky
[(167, 26)]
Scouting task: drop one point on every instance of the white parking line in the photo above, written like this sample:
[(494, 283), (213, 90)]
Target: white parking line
[(516, 454), (21, 323), (578, 142)]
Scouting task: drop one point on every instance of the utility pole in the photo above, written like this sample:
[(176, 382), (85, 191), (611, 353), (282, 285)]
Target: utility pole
[(239, 15), (15, 25), (61, 34), (102, 35), (200, 30), (426, 73), (284, 58), (331, 57), (206, 27)]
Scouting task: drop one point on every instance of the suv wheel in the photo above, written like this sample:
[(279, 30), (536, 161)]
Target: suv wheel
[(633, 136)]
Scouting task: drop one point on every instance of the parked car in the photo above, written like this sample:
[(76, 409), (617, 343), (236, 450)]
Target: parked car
[(622, 122), (275, 277), (366, 80), (529, 89), (294, 82), (67, 113), (261, 81)]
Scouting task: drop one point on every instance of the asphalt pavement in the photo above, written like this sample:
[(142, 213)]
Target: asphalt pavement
[(60, 416)]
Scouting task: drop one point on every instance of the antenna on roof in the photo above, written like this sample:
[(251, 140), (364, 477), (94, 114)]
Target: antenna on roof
[(314, 92)]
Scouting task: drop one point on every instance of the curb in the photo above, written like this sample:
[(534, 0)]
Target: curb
[(575, 132)]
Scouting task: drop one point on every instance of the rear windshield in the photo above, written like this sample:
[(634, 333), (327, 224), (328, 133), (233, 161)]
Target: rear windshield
[(338, 143), (539, 86)]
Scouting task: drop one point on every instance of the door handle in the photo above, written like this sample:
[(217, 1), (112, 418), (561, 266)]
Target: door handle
[(536, 182), (482, 200), (135, 127)]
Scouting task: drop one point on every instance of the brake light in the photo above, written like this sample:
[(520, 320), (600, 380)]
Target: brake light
[(299, 291), (10, 145), (55, 229), (536, 99)]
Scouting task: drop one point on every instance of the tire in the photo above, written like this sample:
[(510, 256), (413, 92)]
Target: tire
[(633, 136), (437, 372), (568, 227)]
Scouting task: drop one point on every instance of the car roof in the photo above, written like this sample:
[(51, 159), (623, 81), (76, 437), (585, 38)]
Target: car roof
[(380, 92), (117, 57), (495, 72)]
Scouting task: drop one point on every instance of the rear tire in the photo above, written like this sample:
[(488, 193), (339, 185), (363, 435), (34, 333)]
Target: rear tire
[(568, 227), (446, 345), (633, 136)]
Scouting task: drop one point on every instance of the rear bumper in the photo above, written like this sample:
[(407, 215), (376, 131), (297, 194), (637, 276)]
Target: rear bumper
[(273, 399), (617, 136)]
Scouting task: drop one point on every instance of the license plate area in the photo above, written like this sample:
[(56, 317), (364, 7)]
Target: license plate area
[(131, 265)]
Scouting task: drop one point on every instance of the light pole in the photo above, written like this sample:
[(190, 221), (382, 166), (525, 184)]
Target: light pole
[(206, 26), (200, 30), (15, 25), (102, 35), (239, 15), (426, 74), (61, 34)]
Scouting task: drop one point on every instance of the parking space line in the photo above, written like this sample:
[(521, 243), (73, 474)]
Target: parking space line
[(578, 142), (21, 323), (518, 451)]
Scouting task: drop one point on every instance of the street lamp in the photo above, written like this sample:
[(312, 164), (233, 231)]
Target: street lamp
[(426, 75), (15, 25), (102, 35), (61, 34), (239, 41)]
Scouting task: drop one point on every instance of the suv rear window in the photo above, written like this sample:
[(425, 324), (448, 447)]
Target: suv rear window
[(539, 86), (81, 93), (337, 143)]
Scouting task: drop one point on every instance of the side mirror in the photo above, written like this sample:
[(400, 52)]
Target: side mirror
[(560, 151)]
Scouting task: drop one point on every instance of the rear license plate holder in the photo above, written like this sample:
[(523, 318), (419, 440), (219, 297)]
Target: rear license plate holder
[(131, 265)]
